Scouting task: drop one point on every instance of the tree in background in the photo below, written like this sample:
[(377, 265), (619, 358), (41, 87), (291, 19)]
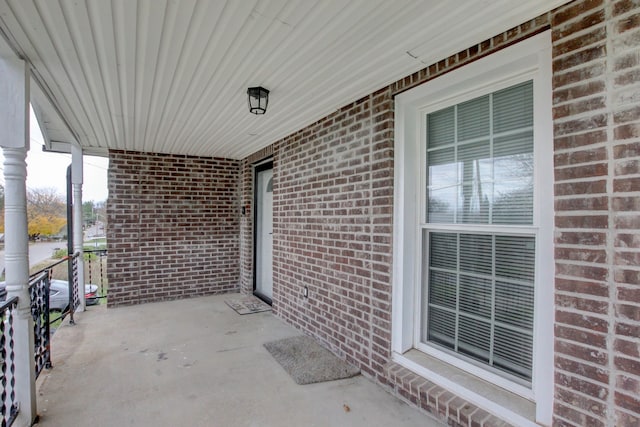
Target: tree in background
[(88, 213), (100, 208), (94, 214), (46, 212)]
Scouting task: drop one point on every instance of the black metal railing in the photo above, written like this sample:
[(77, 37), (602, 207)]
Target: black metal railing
[(95, 271), (49, 271), (10, 406), (74, 283), (39, 292)]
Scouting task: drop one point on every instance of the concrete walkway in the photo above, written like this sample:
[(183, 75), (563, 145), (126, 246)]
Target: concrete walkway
[(195, 363)]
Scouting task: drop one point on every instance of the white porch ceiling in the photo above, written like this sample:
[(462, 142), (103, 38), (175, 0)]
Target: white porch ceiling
[(170, 76)]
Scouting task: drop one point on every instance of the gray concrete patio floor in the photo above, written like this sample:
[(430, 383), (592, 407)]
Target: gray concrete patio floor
[(195, 362)]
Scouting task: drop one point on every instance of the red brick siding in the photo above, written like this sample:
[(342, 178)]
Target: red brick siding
[(624, 82), (581, 170), (597, 118), (332, 225), (172, 227)]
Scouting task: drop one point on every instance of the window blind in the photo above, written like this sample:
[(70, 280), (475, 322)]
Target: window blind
[(480, 160), (479, 286), (480, 299)]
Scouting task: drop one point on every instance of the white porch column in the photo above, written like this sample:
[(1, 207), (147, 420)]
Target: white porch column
[(78, 236), (14, 139)]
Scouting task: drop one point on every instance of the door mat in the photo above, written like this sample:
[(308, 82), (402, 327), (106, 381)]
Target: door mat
[(307, 362), (248, 305)]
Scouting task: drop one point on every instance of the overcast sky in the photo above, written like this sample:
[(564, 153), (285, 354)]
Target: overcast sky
[(49, 170)]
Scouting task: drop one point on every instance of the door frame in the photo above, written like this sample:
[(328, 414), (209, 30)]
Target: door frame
[(264, 165)]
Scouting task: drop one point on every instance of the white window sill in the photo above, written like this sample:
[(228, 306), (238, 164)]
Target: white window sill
[(504, 404)]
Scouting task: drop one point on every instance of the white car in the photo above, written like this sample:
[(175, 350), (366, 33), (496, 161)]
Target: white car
[(59, 294)]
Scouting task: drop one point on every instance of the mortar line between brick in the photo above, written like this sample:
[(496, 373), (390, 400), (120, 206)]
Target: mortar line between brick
[(371, 229), (611, 224), (139, 240)]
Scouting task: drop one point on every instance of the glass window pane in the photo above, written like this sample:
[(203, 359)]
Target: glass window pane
[(443, 250), (475, 160), (515, 257), (442, 287), (513, 188), (474, 338), (475, 296), (441, 127), (441, 156), (474, 203), (442, 205), (442, 168), (513, 108), (476, 170), (508, 146), (513, 352), (442, 327), (442, 185), (513, 203), (514, 304), (476, 253), (474, 119)]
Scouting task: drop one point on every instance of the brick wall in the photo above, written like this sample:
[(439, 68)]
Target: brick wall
[(596, 47), (333, 220), (333, 185), (333, 198), (172, 227)]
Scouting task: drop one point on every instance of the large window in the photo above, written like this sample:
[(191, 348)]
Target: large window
[(473, 230), (478, 293)]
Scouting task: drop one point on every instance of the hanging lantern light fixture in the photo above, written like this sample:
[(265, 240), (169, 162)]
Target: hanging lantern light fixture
[(258, 99)]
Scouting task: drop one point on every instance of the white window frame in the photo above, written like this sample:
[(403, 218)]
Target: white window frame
[(533, 230), (527, 60)]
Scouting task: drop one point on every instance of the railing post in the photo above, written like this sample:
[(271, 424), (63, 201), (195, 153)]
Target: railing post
[(14, 139), (39, 290), (78, 235), (8, 403), (70, 269)]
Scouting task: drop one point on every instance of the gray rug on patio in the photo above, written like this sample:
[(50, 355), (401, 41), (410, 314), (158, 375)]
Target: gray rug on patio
[(248, 305), (307, 362)]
